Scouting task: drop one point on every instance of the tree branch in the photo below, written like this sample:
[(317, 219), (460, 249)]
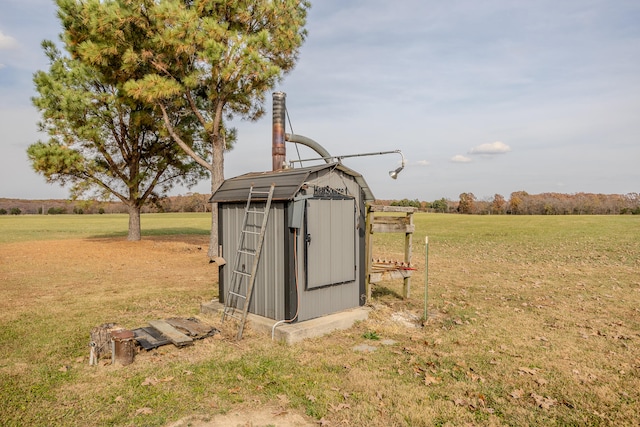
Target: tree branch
[(180, 142)]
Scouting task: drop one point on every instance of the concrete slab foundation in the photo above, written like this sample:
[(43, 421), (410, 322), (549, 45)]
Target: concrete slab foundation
[(295, 332)]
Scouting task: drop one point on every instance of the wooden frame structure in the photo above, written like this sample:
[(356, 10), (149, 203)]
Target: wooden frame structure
[(400, 221)]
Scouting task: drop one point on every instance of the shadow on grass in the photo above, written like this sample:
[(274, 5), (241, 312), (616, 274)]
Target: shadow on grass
[(173, 234), (378, 291)]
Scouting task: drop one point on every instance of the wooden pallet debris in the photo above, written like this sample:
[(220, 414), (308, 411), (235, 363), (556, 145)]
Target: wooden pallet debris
[(175, 336), (175, 330), (192, 327), (122, 344)]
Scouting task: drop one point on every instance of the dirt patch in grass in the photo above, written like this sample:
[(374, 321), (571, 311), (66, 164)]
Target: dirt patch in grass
[(105, 272), (254, 417)]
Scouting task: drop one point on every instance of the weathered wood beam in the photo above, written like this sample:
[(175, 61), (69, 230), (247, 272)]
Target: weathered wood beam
[(393, 228), (177, 338), (380, 208)]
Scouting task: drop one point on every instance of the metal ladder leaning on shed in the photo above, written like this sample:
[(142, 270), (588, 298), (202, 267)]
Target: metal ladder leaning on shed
[(241, 279)]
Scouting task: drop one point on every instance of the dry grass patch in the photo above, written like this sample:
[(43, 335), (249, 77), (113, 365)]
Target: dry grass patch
[(532, 321)]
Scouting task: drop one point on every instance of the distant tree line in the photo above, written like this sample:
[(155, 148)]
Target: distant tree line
[(192, 202), (519, 203), (523, 203)]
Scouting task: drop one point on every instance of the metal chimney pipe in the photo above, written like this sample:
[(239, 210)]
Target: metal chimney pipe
[(278, 149)]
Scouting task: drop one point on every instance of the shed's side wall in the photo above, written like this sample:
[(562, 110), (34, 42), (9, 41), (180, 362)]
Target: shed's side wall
[(268, 295)]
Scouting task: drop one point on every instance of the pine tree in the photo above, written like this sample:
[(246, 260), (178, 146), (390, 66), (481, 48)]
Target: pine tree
[(209, 59), (103, 142)]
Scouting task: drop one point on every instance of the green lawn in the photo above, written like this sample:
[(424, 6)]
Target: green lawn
[(18, 228)]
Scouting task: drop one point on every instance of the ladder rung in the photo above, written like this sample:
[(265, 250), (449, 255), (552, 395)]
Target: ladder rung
[(242, 273), (237, 294), (248, 228), (235, 316)]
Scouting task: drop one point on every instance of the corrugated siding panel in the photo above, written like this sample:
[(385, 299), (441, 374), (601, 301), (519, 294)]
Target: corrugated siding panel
[(268, 298), (320, 302), (268, 295)]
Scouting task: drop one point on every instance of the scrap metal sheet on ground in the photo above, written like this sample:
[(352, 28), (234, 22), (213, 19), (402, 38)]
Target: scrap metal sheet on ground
[(149, 337), (192, 327)]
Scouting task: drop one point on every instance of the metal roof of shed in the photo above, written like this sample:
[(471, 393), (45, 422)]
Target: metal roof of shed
[(287, 183)]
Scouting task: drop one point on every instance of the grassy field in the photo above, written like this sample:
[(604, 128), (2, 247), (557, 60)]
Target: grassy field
[(21, 228), (532, 321)]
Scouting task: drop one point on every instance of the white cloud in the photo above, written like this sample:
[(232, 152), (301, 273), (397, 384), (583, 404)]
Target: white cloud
[(423, 163), (459, 158), (7, 42), (497, 147)]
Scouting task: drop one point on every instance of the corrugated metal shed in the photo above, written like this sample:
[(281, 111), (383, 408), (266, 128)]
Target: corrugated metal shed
[(312, 260), (288, 183)]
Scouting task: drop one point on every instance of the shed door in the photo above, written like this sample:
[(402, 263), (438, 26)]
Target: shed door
[(330, 237)]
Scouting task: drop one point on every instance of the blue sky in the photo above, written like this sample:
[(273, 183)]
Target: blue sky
[(484, 97)]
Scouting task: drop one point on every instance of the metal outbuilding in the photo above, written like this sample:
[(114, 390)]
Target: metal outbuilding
[(313, 253)]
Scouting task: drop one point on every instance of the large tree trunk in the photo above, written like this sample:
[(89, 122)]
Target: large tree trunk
[(134, 234), (213, 237), (216, 181), (217, 176)]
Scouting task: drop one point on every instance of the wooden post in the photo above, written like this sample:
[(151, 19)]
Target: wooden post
[(369, 250), (101, 341), (408, 247), (389, 224)]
